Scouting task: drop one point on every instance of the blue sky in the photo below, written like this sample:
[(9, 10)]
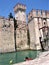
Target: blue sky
[(6, 6)]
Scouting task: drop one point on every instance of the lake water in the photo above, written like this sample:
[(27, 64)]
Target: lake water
[(16, 57)]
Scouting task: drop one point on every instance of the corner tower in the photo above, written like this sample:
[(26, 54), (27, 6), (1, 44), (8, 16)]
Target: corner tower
[(21, 31), (34, 30)]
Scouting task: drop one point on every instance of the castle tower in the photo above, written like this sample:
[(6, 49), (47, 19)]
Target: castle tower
[(39, 29), (34, 30), (21, 31)]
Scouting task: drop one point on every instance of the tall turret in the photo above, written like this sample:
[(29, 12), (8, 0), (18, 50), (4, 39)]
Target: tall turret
[(19, 10), (21, 31)]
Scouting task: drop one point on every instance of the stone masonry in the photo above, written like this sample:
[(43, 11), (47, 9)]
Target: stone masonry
[(6, 35)]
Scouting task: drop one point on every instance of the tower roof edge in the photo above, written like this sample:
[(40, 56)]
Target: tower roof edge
[(19, 6)]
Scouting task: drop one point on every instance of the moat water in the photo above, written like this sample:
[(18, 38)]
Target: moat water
[(16, 57)]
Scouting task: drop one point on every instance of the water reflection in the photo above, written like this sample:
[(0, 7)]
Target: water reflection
[(16, 57)]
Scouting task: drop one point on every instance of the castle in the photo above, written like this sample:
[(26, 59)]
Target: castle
[(33, 36)]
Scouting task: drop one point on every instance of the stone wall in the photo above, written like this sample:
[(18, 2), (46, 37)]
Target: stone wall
[(34, 34), (21, 39), (7, 35)]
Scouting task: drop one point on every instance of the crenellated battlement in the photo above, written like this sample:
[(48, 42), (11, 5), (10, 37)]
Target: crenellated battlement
[(19, 6), (3, 18), (47, 14), (38, 13)]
